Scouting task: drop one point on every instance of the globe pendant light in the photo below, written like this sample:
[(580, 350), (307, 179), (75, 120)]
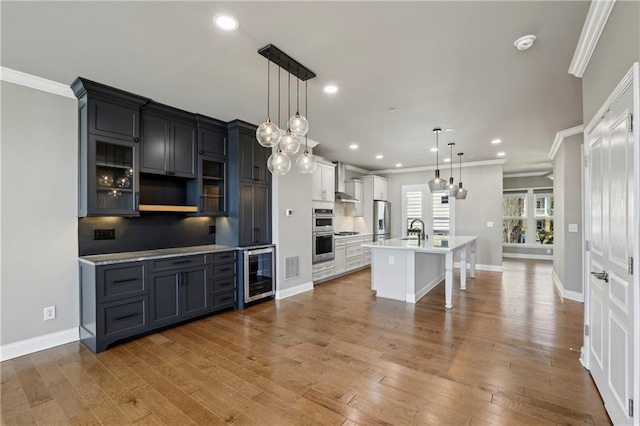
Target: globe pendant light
[(462, 193), (436, 184), (298, 123), (306, 163), (279, 163), (268, 134), (452, 188), (290, 143)]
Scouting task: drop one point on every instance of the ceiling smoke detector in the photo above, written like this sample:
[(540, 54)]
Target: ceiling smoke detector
[(524, 42)]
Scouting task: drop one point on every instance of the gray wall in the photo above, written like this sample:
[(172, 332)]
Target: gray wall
[(567, 189), (39, 212), (617, 49), (292, 234), (483, 204), (537, 251), (527, 182)]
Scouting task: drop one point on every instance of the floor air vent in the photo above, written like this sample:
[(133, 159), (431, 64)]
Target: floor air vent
[(291, 267)]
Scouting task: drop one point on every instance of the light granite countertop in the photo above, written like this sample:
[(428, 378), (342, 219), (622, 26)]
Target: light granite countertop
[(134, 256), (431, 245)]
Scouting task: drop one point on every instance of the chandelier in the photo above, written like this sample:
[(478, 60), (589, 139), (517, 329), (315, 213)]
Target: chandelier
[(271, 135)]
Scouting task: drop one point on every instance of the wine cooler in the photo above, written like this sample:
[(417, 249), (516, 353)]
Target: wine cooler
[(259, 277)]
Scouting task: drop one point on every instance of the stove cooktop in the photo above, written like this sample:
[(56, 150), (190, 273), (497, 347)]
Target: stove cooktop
[(342, 233)]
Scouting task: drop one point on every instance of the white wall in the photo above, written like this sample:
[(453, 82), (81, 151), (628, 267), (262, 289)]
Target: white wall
[(483, 204), (39, 222)]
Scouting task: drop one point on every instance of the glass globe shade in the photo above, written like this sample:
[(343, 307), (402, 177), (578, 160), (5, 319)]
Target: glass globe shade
[(278, 163), (105, 180), (306, 163), (268, 134), (123, 182), (298, 125), (289, 143)]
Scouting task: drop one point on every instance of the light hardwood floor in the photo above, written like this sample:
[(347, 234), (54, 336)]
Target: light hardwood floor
[(506, 354)]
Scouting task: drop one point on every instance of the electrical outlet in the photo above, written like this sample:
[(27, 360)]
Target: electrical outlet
[(489, 224), (289, 212), (49, 313), (548, 251), (104, 234), (391, 260), (212, 229)]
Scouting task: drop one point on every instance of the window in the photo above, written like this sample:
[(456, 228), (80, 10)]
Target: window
[(441, 221), (544, 216), (514, 218), (413, 209)]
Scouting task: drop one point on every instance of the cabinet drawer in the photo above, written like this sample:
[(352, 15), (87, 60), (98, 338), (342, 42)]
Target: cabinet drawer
[(223, 270), (355, 263), (224, 257), (223, 300), (223, 284), (339, 242), (326, 273), (320, 267), (116, 282), (178, 262), (124, 317), (368, 238), (354, 251), (367, 259)]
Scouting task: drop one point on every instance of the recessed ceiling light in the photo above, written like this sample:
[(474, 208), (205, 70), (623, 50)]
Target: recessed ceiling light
[(501, 154), (226, 22), (398, 164), (446, 160), (392, 109), (448, 130), (496, 141), (379, 156), (524, 42), (434, 149), (330, 88), (353, 146)]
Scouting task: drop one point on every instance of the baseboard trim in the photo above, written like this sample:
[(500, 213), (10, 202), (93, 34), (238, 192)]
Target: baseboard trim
[(288, 292), (528, 256), (481, 267), (419, 295), (564, 293), (40, 343), (38, 83)]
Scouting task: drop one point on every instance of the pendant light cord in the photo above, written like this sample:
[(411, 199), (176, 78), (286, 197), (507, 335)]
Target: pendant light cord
[(289, 97), (298, 92), (437, 149), (460, 156), (279, 99), (451, 159), (268, 86), (306, 113)]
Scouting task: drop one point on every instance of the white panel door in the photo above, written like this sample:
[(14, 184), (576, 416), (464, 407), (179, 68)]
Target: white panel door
[(611, 292)]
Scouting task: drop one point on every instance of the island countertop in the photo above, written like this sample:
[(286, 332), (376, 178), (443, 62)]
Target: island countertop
[(431, 245)]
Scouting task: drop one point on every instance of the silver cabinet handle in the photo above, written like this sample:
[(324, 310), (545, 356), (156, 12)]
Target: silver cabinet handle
[(601, 276)]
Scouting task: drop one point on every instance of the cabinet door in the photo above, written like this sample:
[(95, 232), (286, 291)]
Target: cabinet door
[(155, 145), (339, 260), (115, 119), (328, 183), (247, 171), (183, 153), (260, 157), (164, 298), (195, 292), (262, 214), (213, 142), (359, 194), (213, 187), (245, 215), (380, 189), (316, 184), (112, 177)]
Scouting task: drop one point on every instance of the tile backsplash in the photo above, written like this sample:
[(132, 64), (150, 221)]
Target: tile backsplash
[(343, 222)]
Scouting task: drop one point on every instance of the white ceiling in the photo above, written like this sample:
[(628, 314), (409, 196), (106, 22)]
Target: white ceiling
[(448, 64)]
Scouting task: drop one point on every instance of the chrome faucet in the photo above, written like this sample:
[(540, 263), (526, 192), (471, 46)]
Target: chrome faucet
[(420, 232)]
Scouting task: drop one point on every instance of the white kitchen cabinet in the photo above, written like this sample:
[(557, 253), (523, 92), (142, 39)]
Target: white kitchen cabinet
[(339, 260), (323, 182), (380, 188), (355, 188)]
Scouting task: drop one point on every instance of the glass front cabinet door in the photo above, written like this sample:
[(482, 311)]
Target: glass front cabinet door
[(213, 190), (112, 177)]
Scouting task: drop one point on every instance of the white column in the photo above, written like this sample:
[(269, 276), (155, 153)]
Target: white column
[(463, 267), (473, 259), (448, 280)]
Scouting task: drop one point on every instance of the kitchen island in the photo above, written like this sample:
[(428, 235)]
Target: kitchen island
[(407, 269)]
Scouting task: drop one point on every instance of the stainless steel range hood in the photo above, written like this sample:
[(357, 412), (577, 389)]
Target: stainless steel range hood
[(341, 195)]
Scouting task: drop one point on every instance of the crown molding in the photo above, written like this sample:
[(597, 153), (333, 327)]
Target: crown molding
[(38, 83), (597, 16), (526, 174), (426, 168), (560, 138), (357, 169)]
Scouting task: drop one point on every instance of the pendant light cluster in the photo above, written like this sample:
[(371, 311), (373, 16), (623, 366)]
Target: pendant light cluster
[(269, 134), (438, 184)]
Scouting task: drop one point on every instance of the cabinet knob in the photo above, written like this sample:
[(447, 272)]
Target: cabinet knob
[(167, 172), (200, 152), (136, 139)]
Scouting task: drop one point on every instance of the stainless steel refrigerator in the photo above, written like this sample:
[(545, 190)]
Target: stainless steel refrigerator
[(381, 222)]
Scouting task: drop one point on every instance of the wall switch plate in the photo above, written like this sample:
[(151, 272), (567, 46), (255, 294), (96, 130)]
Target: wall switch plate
[(289, 212), (391, 260), (104, 234), (548, 251), (49, 313), (212, 229), (573, 227), (489, 224)]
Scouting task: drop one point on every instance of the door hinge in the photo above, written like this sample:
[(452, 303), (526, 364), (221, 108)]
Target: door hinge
[(630, 268), (630, 123), (586, 330), (586, 161), (630, 407), (586, 245)]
